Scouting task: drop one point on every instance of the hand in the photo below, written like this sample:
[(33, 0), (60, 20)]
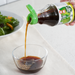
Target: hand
[(73, 3)]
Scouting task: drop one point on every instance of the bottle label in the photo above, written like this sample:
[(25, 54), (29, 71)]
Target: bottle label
[(66, 12)]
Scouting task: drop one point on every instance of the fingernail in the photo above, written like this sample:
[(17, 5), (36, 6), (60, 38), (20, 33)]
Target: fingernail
[(72, 0)]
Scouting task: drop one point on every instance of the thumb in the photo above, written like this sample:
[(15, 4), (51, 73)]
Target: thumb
[(73, 3)]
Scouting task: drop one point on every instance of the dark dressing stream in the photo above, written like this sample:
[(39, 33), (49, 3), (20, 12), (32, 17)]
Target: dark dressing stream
[(29, 64)]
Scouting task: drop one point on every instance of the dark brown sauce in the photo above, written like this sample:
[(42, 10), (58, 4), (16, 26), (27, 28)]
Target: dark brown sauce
[(33, 63), (26, 36), (49, 17)]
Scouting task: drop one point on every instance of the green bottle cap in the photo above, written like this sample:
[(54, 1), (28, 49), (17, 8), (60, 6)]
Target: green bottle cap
[(32, 15)]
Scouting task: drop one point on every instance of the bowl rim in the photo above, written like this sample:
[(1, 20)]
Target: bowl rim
[(31, 44)]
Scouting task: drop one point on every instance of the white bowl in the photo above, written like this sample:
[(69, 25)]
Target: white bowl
[(19, 18)]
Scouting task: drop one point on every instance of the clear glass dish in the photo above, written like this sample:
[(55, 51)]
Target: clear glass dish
[(32, 50)]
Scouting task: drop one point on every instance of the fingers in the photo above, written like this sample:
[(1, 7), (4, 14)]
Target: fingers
[(71, 24), (73, 3), (63, 0), (67, 24), (74, 6)]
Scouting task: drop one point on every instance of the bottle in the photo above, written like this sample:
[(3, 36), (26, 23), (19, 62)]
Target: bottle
[(52, 14)]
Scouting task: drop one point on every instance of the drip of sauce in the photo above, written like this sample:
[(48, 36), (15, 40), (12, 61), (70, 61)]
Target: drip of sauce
[(26, 36)]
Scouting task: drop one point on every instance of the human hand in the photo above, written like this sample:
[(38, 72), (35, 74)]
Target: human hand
[(73, 3)]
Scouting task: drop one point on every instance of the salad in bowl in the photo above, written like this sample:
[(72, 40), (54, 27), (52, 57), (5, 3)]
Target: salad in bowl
[(9, 23)]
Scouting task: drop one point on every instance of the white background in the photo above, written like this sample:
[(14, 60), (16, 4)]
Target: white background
[(2, 2)]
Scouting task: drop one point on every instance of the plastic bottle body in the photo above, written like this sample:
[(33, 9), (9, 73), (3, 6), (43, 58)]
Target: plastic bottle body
[(49, 15), (60, 13)]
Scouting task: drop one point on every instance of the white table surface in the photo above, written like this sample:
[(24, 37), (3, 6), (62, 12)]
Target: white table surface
[(60, 37)]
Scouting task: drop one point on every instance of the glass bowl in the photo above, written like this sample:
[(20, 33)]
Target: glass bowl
[(34, 60)]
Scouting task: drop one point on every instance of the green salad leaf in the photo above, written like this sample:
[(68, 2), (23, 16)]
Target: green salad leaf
[(7, 24), (2, 31)]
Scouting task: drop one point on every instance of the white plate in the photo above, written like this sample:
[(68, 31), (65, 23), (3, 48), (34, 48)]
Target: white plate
[(19, 18)]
